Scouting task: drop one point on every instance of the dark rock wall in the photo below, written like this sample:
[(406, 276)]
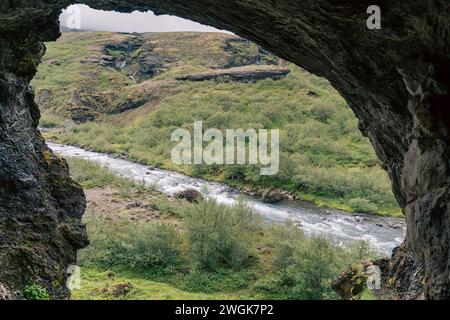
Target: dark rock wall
[(40, 207), (396, 80)]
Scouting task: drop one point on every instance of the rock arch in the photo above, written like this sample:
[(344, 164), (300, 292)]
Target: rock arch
[(396, 80)]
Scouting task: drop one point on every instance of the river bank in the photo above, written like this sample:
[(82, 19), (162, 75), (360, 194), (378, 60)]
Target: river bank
[(147, 245), (383, 233)]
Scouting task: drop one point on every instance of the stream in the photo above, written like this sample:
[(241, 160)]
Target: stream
[(382, 233)]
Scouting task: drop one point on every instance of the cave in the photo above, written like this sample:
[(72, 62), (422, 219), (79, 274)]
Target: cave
[(395, 79)]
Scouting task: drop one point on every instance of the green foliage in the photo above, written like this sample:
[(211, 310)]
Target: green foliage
[(35, 292), (361, 250), (305, 267), (154, 245), (311, 269), (362, 205), (219, 235), (132, 247), (218, 281)]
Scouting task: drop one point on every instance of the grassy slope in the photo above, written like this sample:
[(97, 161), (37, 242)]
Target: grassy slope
[(324, 157)]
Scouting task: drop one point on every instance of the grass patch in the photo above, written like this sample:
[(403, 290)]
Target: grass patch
[(100, 284)]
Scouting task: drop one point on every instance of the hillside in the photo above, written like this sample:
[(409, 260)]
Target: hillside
[(125, 94)]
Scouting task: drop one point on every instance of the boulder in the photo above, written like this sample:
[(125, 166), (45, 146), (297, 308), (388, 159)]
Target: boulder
[(272, 196), (190, 195)]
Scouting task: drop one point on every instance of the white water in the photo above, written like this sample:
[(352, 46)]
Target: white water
[(340, 226)]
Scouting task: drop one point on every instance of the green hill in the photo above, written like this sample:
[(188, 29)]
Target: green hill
[(126, 94)]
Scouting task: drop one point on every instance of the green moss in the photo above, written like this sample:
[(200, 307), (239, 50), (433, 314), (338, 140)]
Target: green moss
[(35, 292)]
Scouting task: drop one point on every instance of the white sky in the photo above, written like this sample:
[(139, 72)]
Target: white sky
[(83, 17)]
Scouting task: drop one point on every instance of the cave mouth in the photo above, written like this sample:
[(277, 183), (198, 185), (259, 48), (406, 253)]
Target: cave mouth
[(121, 49), (393, 79)]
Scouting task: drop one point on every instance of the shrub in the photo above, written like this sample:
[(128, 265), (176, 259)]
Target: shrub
[(362, 205), (35, 292), (314, 265), (305, 268), (150, 246), (132, 247), (359, 251), (219, 235)]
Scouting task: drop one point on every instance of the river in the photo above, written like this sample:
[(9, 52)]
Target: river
[(382, 233)]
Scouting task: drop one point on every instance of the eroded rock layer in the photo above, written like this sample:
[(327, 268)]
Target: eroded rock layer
[(396, 80)]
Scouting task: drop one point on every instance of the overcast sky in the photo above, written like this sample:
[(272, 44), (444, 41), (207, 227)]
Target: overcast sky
[(83, 17)]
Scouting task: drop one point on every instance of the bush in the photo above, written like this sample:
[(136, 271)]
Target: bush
[(314, 265), (362, 205), (305, 268), (150, 246), (132, 247), (219, 235), (361, 250), (35, 292)]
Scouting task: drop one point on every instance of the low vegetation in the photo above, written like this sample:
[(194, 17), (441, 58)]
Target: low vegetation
[(199, 251)]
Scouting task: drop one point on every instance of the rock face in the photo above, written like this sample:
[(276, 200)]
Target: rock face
[(240, 74), (40, 207), (241, 55), (136, 58), (396, 80)]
